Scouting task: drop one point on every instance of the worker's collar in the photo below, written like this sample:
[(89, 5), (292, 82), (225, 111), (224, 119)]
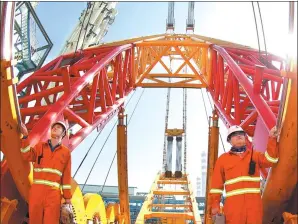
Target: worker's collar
[(53, 147), (238, 149)]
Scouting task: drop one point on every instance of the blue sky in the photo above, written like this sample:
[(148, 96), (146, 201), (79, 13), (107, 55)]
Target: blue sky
[(231, 21)]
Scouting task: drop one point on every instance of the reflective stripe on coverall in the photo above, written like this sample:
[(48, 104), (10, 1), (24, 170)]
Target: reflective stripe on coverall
[(243, 202), (52, 173)]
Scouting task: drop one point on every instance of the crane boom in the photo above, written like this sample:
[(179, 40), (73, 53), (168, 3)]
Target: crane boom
[(95, 22)]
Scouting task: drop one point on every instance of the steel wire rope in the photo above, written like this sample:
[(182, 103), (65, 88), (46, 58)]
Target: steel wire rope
[(164, 153), (263, 34), (205, 106), (222, 143), (166, 127), (256, 25), (116, 150), (100, 152), (96, 139), (185, 126)]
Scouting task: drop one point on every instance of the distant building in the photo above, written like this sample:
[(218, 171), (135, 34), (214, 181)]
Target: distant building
[(106, 190), (199, 187), (201, 180), (204, 172)]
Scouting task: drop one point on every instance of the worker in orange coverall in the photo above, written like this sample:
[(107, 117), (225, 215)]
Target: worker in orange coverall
[(239, 172), (51, 173)]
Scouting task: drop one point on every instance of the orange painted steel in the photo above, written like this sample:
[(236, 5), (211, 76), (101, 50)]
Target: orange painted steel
[(190, 205), (177, 49), (122, 167), (213, 137), (282, 180)]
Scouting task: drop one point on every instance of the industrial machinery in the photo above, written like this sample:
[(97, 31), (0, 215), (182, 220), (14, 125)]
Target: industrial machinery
[(95, 21), (31, 42), (254, 89)]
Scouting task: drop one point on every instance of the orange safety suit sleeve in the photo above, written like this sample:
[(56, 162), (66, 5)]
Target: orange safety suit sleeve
[(217, 185), (270, 157), (66, 179), (29, 153)]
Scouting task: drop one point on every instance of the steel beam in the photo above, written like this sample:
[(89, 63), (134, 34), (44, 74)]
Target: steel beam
[(122, 167), (212, 157)]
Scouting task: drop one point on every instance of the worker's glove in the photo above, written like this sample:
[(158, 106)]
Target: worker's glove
[(67, 215), (23, 129), (219, 219), (215, 211), (273, 132)]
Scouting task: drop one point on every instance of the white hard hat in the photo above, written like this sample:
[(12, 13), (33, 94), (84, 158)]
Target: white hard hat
[(62, 124), (233, 129)]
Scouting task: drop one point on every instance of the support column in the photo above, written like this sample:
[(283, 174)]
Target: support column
[(212, 157), (122, 167)]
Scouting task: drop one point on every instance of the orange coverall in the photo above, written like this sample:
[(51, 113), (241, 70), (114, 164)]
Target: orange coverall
[(52, 172), (243, 204)]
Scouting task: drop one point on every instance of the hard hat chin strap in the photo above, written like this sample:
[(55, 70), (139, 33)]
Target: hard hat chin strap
[(238, 149), (63, 134)]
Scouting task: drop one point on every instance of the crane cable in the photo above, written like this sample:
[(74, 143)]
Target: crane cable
[(185, 123), (185, 126), (264, 38), (164, 153), (102, 149), (256, 24), (96, 139), (116, 150), (223, 146), (263, 34), (205, 107), (166, 127)]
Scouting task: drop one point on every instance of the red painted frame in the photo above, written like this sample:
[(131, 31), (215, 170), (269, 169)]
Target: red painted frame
[(243, 88), (89, 97)]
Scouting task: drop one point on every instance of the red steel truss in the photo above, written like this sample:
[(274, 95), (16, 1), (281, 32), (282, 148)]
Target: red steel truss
[(245, 85), (93, 85)]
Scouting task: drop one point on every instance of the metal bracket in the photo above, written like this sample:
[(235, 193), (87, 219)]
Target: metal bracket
[(174, 132)]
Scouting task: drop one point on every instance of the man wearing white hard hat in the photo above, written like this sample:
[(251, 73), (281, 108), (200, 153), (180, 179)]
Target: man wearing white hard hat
[(238, 171), (51, 174)]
